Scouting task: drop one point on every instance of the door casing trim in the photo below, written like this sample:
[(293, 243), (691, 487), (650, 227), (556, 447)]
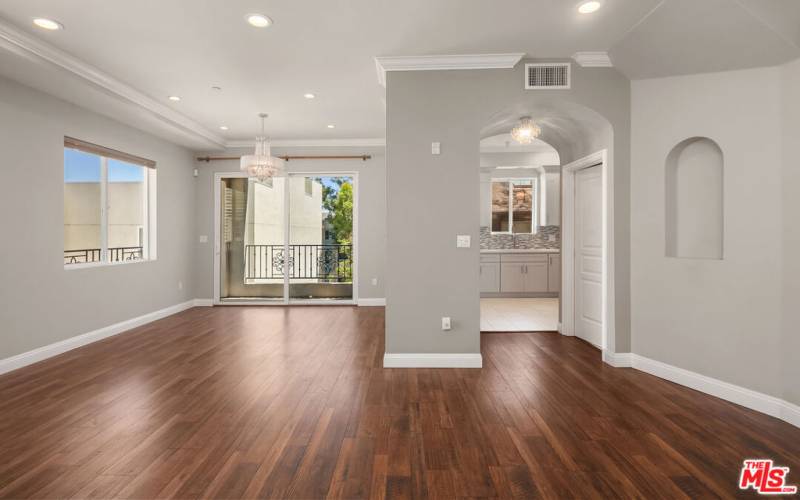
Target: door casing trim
[(568, 173)]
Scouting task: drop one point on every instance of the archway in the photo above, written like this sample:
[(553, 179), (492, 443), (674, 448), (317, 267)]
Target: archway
[(582, 138)]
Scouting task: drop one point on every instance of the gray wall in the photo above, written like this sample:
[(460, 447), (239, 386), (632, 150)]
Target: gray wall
[(371, 213), (43, 303), (720, 318), (431, 198), (790, 194)]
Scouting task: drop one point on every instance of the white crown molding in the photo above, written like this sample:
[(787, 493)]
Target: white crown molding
[(436, 63), (593, 59), (313, 143), (23, 43)]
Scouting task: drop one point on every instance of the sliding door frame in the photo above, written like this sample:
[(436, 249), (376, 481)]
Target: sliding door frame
[(218, 176)]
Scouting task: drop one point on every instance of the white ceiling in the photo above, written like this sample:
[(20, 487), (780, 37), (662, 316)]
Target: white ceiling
[(184, 47)]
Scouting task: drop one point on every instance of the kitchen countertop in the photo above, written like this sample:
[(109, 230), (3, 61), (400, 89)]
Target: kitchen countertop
[(520, 250)]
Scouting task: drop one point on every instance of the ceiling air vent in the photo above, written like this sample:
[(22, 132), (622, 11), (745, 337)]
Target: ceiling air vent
[(547, 76)]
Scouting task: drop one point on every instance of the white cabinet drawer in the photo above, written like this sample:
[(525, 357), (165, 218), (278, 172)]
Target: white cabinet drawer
[(523, 257), (490, 257)]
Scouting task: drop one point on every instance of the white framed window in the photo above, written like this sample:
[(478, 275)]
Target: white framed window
[(109, 206), (514, 203)]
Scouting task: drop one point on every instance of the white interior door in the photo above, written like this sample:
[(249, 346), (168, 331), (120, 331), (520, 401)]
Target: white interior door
[(589, 255)]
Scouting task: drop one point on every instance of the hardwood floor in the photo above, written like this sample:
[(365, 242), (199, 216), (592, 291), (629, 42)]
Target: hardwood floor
[(232, 402)]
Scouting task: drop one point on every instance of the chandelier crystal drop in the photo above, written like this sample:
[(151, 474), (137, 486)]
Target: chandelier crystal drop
[(525, 131), (262, 165)]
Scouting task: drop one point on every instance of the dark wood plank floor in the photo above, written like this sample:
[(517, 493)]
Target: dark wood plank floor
[(293, 403)]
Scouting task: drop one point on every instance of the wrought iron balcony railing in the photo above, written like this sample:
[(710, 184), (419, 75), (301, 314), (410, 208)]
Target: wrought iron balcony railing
[(86, 255), (325, 263)]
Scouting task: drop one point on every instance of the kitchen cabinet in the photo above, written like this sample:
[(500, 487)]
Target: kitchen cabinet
[(512, 277), (490, 274), (519, 273), (523, 273), (536, 274), (554, 272)]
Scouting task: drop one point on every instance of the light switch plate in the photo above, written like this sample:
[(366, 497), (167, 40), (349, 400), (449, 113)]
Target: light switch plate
[(436, 148), (463, 241), (445, 323), (203, 238)]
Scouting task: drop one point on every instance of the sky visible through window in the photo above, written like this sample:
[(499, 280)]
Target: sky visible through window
[(85, 167)]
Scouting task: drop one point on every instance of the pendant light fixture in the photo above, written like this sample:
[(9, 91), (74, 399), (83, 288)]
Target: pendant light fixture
[(525, 131), (262, 165)]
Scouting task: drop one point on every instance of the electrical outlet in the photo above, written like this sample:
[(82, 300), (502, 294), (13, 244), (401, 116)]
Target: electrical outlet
[(445, 323), (203, 238), (463, 241), (374, 281), (436, 148)]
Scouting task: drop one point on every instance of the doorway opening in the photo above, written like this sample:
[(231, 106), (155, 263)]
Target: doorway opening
[(520, 259), (285, 240), (582, 139)]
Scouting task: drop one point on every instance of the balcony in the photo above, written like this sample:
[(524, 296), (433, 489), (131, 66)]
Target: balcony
[(309, 263), (88, 255)]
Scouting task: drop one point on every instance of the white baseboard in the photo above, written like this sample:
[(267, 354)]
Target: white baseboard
[(617, 360), (432, 360), (748, 398), (48, 351), (371, 302), (790, 413), (203, 302)]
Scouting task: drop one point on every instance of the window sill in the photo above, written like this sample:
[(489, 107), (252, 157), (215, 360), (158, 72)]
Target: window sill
[(90, 265)]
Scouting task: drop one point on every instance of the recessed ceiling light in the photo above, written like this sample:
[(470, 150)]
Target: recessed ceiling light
[(258, 20), (331, 126), (589, 7), (223, 127), (174, 98), (48, 24), (309, 95)]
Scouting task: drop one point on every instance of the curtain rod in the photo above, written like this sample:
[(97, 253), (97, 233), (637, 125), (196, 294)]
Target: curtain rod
[(289, 158)]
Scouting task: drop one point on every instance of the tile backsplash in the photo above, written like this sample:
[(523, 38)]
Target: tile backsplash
[(541, 239)]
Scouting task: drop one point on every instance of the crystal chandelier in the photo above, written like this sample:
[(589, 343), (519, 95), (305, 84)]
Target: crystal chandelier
[(262, 165), (525, 131)]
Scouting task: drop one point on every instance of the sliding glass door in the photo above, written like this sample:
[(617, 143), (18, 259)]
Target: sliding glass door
[(321, 237), (289, 239), (252, 239)]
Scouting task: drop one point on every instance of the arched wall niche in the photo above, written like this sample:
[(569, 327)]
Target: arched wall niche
[(694, 201)]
